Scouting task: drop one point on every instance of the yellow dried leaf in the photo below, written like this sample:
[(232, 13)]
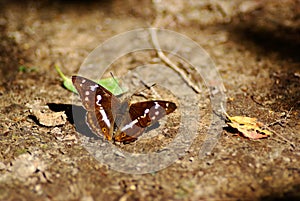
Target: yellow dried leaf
[(249, 127)]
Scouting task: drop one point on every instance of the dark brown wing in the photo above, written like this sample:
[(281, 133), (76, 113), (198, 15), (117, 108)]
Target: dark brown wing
[(140, 116), (88, 91), (148, 112), (130, 130), (101, 105)]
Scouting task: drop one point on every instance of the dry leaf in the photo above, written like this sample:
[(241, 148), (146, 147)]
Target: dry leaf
[(249, 127), (48, 118)]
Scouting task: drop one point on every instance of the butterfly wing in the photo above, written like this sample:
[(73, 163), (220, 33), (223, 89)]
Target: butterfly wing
[(148, 112), (101, 105), (105, 111), (142, 115), (130, 130)]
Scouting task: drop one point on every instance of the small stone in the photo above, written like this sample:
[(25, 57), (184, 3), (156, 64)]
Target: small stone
[(120, 154), (56, 130), (244, 88), (87, 198), (2, 166), (286, 159), (38, 188), (248, 6), (200, 173), (23, 166), (132, 187)]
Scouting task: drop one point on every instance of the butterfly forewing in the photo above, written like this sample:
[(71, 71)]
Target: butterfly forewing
[(92, 94), (142, 115), (101, 105), (148, 112)]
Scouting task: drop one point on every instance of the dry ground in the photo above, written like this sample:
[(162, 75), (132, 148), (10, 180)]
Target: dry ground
[(255, 45)]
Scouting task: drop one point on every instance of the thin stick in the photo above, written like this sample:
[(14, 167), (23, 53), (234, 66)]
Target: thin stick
[(281, 122), (281, 136), (165, 59)]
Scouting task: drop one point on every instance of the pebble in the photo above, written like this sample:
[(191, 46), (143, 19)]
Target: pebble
[(87, 198), (132, 187), (248, 6), (191, 159), (286, 159), (2, 166)]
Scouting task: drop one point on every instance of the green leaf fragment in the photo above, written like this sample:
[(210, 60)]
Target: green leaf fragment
[(67, 82), (110, 84), (26, 69)]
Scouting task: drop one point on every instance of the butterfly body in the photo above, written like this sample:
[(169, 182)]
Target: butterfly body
[(118, 120)]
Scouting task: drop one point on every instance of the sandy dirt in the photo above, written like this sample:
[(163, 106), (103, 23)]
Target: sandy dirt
[(255, 46)]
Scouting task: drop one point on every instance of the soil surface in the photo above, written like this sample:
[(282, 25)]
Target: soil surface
[(255, 46)]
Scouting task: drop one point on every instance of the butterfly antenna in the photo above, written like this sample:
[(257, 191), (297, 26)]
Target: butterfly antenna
[(146, 85), (149, 87)]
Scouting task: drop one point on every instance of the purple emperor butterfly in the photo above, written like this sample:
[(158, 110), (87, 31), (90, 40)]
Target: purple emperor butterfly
[(118, 120)]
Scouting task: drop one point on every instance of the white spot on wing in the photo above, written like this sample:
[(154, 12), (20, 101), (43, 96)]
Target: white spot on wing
[(93, 88), (99, 97), (86, 99), (145, 113), (87, 93), (83, 81), (104, 117), (156, 113), (129, 125), (156, 105)]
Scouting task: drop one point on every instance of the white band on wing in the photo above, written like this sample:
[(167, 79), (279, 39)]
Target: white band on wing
[(104, 117), (129, 125)]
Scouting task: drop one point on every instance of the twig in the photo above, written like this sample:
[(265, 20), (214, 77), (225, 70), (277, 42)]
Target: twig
[(281, 136), (165, 59), (281, 122)]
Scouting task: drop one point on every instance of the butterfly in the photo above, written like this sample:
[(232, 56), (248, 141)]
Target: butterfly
[(117, 120)]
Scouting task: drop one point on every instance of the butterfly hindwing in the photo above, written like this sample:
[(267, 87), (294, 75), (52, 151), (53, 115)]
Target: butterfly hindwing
[(97, 126), (101, 105), (129, 130)]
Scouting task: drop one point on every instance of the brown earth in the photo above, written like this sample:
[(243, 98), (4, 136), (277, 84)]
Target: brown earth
[(255, 46)]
